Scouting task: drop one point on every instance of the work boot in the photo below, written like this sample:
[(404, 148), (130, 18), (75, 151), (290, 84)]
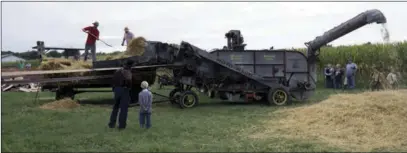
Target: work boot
[(111, 125), (122, 127)]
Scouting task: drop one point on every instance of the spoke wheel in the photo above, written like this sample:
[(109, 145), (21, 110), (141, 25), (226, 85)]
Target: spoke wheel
[(188, 99), (279, 96), (174, 95)]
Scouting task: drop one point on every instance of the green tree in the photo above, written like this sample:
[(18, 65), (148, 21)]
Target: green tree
[(54, 54)]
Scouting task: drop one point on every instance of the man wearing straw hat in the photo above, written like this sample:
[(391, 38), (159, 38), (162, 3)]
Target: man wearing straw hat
[(122, 82), (127, 36), (93, 35), (145, 99)]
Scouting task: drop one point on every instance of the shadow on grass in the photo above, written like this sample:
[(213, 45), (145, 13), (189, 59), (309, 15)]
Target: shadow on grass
[(97, 102), (219, 103), (205, 102)]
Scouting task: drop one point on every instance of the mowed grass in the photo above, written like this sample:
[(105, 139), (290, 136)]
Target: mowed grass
[(212, 126)]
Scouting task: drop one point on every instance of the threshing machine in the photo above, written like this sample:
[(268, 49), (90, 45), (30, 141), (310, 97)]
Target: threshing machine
[(232, 73)]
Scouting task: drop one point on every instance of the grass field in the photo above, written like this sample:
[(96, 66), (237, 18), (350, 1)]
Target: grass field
[(212, 126)]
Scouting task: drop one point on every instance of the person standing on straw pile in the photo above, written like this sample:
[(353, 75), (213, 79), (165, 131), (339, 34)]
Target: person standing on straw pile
[(392, 78), (145, 99), (93, 35), (122, 81), (128, 36)]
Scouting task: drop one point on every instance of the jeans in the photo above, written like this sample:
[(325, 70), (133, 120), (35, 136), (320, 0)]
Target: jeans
[(92, 48), (145, 119), (329, 83), (351, 81), (122, 98), (338, 83)]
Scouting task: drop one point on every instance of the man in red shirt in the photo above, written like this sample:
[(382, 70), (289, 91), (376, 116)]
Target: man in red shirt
[(93, 35)]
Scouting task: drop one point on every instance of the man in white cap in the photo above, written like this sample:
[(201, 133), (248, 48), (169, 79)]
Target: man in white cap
[(145, 99), (93, 35), (127, 36)]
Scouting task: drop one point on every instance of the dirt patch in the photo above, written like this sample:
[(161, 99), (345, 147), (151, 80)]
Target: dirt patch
[(357, 122), (61, 104)]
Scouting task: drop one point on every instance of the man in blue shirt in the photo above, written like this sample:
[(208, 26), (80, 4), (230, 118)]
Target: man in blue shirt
[(350, 73), (145, 99)]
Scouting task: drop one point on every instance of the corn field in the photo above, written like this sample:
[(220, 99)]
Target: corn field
[(383, 56)]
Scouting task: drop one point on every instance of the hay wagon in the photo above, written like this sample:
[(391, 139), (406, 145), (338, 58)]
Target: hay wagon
[(67, 87)]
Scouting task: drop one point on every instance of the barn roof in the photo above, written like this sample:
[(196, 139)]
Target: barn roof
[(7, 55)]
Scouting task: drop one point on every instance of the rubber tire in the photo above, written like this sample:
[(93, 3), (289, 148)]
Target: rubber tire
[(64, 94), (187, 93), (171, 95), (270, 98)]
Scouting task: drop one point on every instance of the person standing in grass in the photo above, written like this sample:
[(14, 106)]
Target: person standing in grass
[(122, 81), (350, 74), (338, 76), (145, 99), (20, 65), (392, 78), (375, 83), (127, 36), (329, 71)]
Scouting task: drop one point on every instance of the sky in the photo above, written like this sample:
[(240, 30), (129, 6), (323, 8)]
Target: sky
[(203, 24)]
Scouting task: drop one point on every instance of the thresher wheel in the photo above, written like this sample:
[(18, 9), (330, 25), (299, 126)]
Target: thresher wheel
[(174, 95), (64, 93), (278, 96), (188, 99)]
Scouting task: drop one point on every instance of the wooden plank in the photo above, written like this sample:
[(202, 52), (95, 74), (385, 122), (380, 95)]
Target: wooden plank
[(50, 80), (14, 74), (58, 48)]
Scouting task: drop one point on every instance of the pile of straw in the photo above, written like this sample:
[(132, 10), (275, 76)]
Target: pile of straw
[(64, 64), (61, 104), (136, 47), (357, 122)]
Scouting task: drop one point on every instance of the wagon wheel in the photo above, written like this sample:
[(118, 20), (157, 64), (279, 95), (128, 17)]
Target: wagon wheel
[(188, 99), (174, 95), (279, 97)]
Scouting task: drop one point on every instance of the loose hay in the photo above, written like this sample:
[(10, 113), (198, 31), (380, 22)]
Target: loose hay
[(61, 104), (358, 122), (64, 64), (136, 47)]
